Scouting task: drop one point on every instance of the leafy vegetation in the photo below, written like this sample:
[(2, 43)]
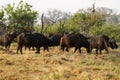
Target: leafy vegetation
[(22, 17)]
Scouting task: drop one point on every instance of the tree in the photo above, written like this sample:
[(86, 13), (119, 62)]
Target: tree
[(21, 17), (42, 22), (83, 20), (62, 22), (2, 21), (53, 17), (112, 16)]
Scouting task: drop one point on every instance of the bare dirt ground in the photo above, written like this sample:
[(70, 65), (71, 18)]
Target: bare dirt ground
[(58, 65)]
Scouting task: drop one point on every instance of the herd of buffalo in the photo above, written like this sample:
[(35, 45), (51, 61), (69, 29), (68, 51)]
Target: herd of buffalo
[(63, 40)]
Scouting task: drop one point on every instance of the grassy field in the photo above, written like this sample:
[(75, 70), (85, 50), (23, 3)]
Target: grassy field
[(58, 65)]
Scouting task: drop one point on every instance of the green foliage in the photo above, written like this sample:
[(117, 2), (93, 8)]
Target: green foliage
[(20, 17), (108, 29), (97, 19), (69, 27), (112, 31), (52, 29), (82, 21), (1, 14), (37, 28), (95, 30), (73, 23)]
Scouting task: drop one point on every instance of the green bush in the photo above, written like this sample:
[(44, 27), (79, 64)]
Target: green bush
[(110, 30)]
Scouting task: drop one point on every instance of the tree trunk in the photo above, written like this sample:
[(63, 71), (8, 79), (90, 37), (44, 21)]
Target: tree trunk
[(42, 23)]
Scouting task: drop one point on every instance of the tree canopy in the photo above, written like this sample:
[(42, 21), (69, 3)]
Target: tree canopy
[(20, 17)]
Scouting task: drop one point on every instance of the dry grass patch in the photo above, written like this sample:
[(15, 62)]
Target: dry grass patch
[(58, 65)]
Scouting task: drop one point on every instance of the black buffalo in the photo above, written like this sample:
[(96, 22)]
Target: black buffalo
[(101, 42), (36, 40), (55, 38), (6, 38), (74, 40)]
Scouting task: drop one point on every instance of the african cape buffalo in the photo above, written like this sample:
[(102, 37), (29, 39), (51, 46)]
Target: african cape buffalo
[(55, 38), (36, 40), (74, 40), (100, 42), (7, 38)]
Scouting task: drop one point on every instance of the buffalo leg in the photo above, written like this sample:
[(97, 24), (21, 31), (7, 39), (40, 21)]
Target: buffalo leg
[(38, 50), (32, 48), (96, 51), (88, 50), (62, 48), (67, 49), (100, 51), (107, 50), (79, 50), (19, 48), (7, 47), (91, 50), (75, 49), (45, 48)]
